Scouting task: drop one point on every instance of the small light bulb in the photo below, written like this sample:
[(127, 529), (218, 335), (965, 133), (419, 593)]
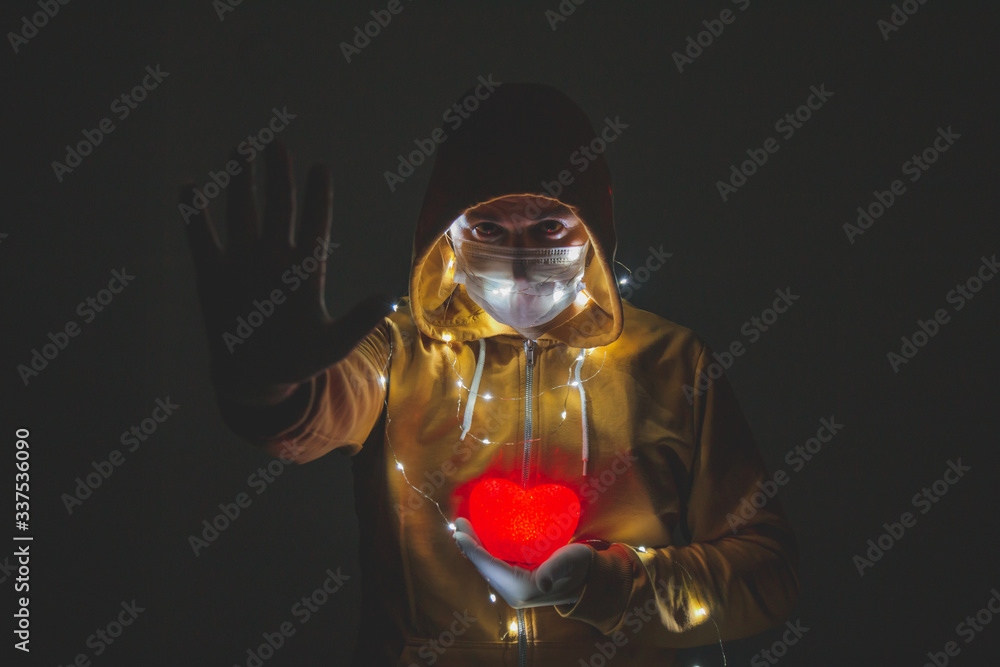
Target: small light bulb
[(513, 626), (701, 612), (574, 383), (493, 597), (395, 306), (486, 441), (446, 337), (642, 549), (451, 527), (381, 378), (564, 414), (399, 466), (459, 383), (623, 281), (487, 396)]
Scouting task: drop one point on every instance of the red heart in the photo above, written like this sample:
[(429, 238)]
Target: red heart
[(520, 526)]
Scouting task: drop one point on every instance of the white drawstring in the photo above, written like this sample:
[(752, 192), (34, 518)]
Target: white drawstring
[(474, 392), (585, 453), (474, 389)]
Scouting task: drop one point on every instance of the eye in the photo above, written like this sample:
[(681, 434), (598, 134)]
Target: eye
[(488, 229), (551, 226)]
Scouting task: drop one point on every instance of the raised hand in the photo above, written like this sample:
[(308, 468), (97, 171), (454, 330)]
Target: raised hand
[(278, 271)]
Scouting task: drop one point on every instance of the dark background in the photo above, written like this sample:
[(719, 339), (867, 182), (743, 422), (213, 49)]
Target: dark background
[(783, 229)]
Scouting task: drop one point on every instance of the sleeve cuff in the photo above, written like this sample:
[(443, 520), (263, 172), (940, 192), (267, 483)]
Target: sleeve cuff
[(265, 423), (606, 594)]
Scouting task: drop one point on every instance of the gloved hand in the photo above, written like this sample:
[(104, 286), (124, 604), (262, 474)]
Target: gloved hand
[(559, 580), (298, 340)]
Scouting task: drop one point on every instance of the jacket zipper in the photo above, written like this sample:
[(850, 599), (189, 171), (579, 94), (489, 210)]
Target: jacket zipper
[(529, 382)]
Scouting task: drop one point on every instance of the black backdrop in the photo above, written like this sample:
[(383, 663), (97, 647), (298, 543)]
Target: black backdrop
[(782, 229)]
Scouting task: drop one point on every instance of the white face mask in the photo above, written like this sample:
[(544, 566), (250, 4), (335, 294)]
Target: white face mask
[(521, 287)]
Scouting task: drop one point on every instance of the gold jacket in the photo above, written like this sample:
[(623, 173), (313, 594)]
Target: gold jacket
[(439, 395)]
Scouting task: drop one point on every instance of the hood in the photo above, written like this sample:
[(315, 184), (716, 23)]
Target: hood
[(523, 138)]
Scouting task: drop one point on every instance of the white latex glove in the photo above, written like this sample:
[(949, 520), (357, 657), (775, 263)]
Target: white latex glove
[(559, 580)]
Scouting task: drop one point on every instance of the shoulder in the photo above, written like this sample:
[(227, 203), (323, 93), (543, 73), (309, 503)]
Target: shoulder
[(655, 337)]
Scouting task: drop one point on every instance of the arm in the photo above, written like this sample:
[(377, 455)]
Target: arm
[(335, 409), (744, 577), (299, 378)]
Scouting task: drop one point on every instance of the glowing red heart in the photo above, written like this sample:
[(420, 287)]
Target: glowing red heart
[(523, 527)]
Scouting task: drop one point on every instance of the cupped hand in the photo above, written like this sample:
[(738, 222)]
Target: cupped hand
[(558, 580)]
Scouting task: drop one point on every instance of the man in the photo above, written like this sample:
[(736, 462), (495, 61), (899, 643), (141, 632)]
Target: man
[(515, 360)]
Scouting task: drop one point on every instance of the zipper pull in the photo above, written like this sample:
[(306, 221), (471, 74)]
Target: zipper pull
[(529, 352)]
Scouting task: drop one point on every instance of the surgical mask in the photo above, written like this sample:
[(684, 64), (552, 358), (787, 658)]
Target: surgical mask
[(521, 287)]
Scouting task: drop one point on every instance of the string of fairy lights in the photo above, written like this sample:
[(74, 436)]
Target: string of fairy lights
[(574, 380)]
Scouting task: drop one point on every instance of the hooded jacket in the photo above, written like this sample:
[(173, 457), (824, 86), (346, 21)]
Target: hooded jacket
[(625, 408)]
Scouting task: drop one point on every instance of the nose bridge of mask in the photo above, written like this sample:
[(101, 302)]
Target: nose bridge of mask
[(532, 271)]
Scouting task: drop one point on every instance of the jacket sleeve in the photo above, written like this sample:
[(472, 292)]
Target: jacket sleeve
[(336, 409), (738, 572)]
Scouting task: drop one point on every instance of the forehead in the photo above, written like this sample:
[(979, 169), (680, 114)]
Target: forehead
[(519, 207)]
